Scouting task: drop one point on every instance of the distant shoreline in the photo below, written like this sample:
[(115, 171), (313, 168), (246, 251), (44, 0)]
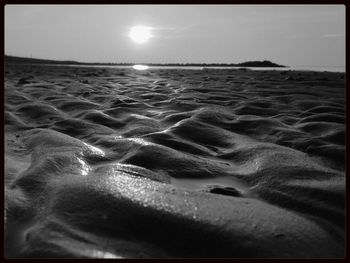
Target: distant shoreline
[(264, 63)]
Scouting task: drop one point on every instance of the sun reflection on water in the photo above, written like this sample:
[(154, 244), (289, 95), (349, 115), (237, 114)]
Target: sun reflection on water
[(140, 67)]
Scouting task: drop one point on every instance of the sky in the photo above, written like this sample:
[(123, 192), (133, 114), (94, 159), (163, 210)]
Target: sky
[(292, 35)]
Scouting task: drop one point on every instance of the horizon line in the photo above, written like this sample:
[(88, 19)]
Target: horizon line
[(147, 63)]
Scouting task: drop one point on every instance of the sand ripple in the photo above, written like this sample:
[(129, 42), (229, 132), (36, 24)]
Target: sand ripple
[(110, 163)]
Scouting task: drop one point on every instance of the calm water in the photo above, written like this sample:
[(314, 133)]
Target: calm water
[(298, 68), (144, 67)]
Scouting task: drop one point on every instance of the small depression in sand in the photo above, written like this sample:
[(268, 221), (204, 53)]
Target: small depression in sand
[(224, 185)]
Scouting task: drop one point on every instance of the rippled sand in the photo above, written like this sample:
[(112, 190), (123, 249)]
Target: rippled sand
[(118, 163)]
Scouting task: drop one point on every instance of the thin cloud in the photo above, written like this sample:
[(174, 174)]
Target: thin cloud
[(169, 32), (160, 32), (184, 31), (333, 35)]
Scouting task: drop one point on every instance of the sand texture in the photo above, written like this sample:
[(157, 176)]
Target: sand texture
[(119, 163)]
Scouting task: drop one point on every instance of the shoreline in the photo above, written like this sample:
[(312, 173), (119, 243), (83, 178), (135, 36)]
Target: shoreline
[(316, 69)]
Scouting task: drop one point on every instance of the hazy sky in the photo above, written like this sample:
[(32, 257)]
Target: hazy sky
[(286, 34)]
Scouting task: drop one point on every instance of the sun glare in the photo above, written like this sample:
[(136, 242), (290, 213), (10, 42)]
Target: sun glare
[(140, 67), (140, 34)]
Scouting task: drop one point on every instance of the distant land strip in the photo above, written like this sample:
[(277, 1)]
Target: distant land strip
[(264, 63)]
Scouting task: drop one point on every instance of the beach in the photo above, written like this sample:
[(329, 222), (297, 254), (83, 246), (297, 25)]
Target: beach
[(173, 163)]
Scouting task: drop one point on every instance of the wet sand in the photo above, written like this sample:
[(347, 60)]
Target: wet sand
[(120, 163)]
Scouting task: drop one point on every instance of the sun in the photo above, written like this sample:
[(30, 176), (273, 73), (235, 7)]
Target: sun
[(140, 34)]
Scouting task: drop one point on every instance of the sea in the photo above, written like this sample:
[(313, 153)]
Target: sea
[(146, 67)]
